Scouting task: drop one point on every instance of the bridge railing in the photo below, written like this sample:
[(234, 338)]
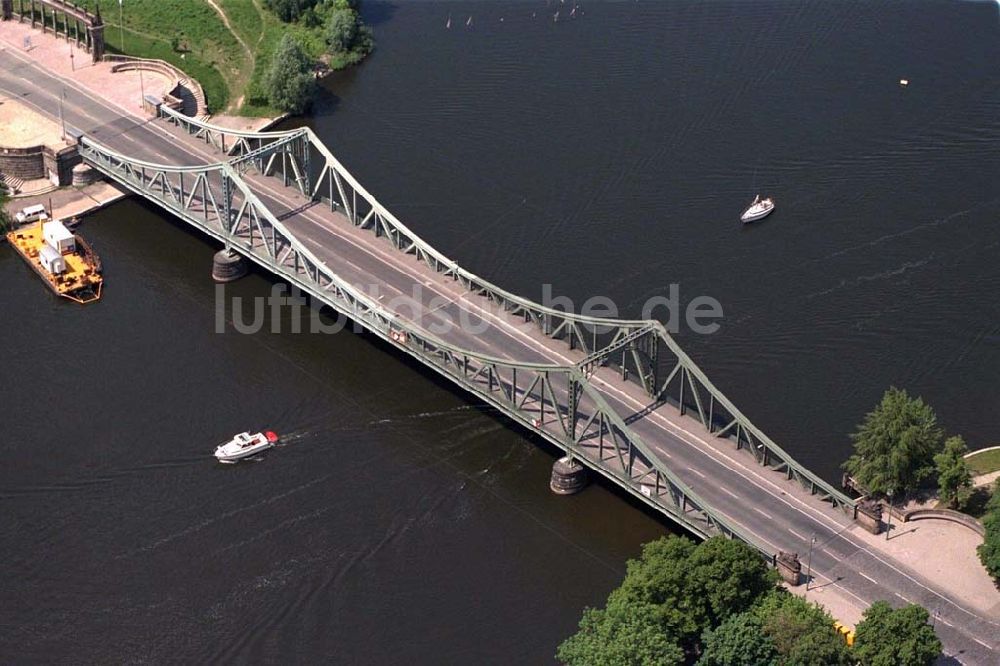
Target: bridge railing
[(693, 391), (634, 345), (629, 344), (558, 402), (346, 194)]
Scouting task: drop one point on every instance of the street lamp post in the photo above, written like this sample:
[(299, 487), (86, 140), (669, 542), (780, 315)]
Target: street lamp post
[(809, 561), (62, 118), (888, 525), (121, 26)]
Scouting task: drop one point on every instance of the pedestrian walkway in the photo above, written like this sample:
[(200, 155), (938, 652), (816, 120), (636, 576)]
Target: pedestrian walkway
[(940, 553), (123, 89)]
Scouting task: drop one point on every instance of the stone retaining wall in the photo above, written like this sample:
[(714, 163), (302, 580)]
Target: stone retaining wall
[(60, 163), (55, 164), (184, 93), (946, 514), (23, 163)]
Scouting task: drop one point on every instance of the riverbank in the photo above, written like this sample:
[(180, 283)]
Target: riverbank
[(227, 45), (984, 462), (29, 128), (67, 203)]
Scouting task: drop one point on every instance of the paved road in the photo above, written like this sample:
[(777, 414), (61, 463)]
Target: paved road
[(779, 513)]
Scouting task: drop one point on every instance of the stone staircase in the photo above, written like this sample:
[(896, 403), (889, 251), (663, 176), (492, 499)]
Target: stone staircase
[(193, 97), (185, 88), (13, 183)]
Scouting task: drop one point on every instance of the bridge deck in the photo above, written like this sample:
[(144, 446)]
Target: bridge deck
[(780, 513), (731, 480)]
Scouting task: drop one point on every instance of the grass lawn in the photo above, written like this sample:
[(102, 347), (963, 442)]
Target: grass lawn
[(215, 86), (985, 462), (211, 53), (191, 35)]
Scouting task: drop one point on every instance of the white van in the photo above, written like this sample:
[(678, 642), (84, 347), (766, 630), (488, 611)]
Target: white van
[(31, 214)]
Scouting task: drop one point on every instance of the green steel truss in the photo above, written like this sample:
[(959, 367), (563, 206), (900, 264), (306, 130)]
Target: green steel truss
[(561, 403)]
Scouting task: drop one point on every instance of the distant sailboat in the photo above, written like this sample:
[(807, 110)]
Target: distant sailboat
[(469, 22), (556, 17), (448, 24)]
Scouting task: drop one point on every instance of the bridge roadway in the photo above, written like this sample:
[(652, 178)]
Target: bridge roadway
[(780, 513)]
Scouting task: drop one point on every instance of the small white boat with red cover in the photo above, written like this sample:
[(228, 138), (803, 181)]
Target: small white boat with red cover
[(245, 445)]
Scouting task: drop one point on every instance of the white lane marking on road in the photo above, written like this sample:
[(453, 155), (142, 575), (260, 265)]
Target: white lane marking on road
[(797, 534), (763, 513), (864, 575), (906, 599), (943, 621), (742, 471), (398, 291), (985, 645), (932, 591), (691, 469), (729, 492)]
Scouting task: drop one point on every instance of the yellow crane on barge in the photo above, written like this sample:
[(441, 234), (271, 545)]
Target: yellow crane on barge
[(61, 258)]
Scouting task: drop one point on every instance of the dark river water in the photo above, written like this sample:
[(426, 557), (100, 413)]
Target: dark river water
[(607, 153)]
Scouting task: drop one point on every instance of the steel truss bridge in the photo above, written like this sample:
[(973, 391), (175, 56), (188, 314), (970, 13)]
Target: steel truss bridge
[(590, 386)]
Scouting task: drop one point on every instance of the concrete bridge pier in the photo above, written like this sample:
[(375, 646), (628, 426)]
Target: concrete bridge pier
[(568, 477), (228, 266)]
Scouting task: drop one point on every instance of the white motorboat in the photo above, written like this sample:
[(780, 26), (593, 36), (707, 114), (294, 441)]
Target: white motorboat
[(245, 445), (760, 208)]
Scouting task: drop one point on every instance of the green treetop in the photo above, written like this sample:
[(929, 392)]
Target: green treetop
[(342, 29), (989, 550), (682, 589), (954, 476), (894, 446), (625, 633), (802, 632), (739, 641), (289, 83), (290, 10), (896, 637), (4, 197)]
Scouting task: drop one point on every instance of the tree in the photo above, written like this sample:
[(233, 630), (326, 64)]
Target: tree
[(677, 588), (896, 637), (801, 632), (894, 446), (954, 476), (342, 29), (729, 576), (289, 10), (4, 197), (989, 549), (739, 641), (660, 577), (289, 82), (696, 587), (623, 634)]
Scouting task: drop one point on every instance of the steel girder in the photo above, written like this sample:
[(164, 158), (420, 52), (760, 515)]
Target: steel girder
[(632, 345), (558, 402)]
